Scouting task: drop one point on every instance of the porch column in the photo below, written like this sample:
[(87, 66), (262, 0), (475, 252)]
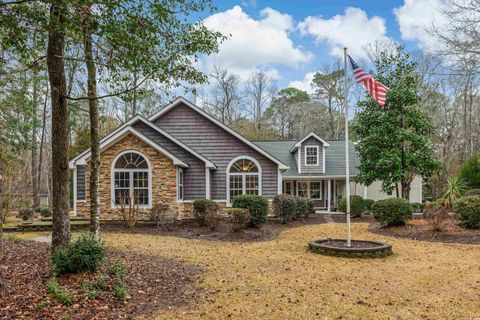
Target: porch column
[(334, 193), (329, 193)]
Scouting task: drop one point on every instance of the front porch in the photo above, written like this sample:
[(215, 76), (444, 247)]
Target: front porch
[(325, 193)]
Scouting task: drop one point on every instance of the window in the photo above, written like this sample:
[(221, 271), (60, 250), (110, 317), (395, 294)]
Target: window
[(131, 179), (180, 189), (302, 189), (244, 177), (316, 190), (311, 156), (288, 187)]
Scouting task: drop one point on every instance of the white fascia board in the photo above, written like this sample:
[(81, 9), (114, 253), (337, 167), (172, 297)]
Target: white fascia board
[(218, 123), (299, 143)]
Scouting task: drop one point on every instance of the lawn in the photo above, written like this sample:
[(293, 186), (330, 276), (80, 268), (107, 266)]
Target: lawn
[(279, 279)]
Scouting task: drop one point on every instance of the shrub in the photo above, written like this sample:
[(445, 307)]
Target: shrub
[(436, 217), (46, 212), (256, 205), (440, 202), (212, 215), (38, 209), (473, 192), (456, 188), (417, 207), (84, 254), (357, 206), (467, 211), (368, 203), (26, 214), (163, 215), (199, 210), (284, 207), (239, 217), (392, 212), (310, 207), (301, 208), (58, 292), (470, 172)]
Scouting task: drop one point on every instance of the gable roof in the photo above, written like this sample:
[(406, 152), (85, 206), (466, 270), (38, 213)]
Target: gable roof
[(334, 158), (176, 102), (122, 130), (299, 143)]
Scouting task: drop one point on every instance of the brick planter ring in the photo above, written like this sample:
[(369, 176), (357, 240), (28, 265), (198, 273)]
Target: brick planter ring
[(378, 250)]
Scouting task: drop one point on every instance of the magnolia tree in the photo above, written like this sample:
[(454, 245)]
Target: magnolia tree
[(394, 141)]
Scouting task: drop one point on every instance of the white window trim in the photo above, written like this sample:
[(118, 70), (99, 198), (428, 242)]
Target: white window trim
[(180, 170), (227, 172), (318, 156), (112, 179), (309, 195)]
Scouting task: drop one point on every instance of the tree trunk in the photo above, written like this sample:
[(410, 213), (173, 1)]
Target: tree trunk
[(406, 190), (42, 141), (94, 135), (36, 196), (60, 126)]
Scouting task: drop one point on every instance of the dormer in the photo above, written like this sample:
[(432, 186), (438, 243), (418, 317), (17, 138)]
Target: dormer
[(310, 154)]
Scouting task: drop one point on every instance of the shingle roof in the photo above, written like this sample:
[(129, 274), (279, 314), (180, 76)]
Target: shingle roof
[(334, 161)]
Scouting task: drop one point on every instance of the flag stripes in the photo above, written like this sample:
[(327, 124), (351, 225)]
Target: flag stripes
[(377, 90)]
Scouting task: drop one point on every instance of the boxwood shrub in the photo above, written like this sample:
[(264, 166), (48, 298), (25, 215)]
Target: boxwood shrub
[(392, 212), (83, 254), (284, 207), (368, 203), (200, 210), (357, 206), (256, 205), (467, 211)]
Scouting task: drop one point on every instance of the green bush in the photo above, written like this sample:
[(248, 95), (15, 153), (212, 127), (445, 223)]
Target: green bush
[(121, 291), (26, 214), (470, 172), (392, 212), (256, 205), (467, 211), (117, 270), (417, 207), (46, 212), (357, 206), (239, 217), (39, 209), (310, 207), (59, 293), (368, 203), (284, 207), (301, 208), (200, 210), (473, 192), (83, 254)]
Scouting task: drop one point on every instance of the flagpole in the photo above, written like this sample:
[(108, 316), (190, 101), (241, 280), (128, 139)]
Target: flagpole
[(347, 163)]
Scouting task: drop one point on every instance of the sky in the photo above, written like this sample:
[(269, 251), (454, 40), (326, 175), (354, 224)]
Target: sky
[(291, 40)]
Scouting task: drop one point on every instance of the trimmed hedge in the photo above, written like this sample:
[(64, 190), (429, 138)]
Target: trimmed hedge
[(200, 210), (26, 214), (288, 207), (417, 207), (467, 211), (392, 212), (256, 205), (357, 206), (46, 212), (83, 254)]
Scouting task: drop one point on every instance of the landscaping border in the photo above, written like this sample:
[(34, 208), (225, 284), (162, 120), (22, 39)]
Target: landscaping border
[(379, 251)]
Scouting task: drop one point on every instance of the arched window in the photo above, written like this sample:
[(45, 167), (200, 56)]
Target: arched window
[(131, 179), (244, 176)]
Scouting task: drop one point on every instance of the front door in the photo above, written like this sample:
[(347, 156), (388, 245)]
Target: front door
[(288, 187)]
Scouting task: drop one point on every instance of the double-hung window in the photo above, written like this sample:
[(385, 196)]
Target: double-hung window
[(180, 184), (311, 156), (244, 178)]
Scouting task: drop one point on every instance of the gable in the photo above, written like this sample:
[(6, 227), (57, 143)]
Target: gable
[(192, 119)]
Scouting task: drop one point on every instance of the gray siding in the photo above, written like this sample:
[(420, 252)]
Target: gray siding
[(194, 175), (216, 144), (81, 183), (311, 169)]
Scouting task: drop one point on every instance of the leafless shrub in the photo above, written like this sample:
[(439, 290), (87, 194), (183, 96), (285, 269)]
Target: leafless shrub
[(212, 215), (129, 208), (437, 217), (163, 215)]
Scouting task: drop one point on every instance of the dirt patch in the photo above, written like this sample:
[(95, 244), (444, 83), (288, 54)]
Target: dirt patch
[(154, 283), (420, 229), (190, 230)]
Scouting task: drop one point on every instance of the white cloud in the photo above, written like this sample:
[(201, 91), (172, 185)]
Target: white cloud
[(354, 30), (415, 19), (305, 84), (255, 44)]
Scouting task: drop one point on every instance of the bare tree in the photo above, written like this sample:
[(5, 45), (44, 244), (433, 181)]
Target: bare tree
[(260, 90), (224, 100)]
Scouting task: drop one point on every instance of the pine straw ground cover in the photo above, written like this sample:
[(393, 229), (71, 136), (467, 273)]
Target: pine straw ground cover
[(153, 283), (279, 279)]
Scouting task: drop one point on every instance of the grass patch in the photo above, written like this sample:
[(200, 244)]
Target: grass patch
[(58, 292)]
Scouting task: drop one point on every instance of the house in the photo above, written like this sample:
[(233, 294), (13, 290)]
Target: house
[(181, 153)]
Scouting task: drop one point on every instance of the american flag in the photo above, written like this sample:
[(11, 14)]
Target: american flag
[(377, 90)]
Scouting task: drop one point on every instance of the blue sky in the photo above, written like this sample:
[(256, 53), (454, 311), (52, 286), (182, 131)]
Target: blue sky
[(292, 39)]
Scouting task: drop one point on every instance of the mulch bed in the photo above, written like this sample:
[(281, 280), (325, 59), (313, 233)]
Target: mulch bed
[(420, 229), (153, 283), (355, 244), (190, 230)]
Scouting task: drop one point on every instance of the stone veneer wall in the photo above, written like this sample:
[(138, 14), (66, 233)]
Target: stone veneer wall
[(164, 181)]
